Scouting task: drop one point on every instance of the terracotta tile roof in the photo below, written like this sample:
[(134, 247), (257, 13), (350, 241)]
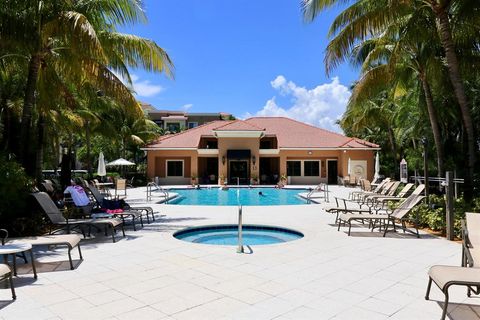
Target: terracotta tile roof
[(187, 139), (295, 134), (290, 134), (239, 125)]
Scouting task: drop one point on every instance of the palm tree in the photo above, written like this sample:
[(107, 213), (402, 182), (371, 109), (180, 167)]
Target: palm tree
[(364, 18), (387, 63), (77, 39)]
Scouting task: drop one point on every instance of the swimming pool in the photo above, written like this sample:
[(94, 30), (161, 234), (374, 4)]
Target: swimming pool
[(228, 235), (236, 196)]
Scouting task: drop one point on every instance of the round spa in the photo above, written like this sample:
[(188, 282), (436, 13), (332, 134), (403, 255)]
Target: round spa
[(228, 235)]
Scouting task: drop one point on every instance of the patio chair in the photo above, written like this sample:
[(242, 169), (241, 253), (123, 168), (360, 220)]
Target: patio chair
[(386, 220), (471, 239), (56, 217), (69, 240), (381, 201), (87, 210), (6, 274), (447, 276), (342, 207), (388, 189), (120, 186), (98, 197), (355, 195)]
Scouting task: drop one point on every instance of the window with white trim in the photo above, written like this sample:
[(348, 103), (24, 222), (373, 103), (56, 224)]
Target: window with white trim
[(294, 168), (174, 168)]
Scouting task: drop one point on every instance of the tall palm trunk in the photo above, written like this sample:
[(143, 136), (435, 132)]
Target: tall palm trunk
[(40, 147), (458, 87), (393, 143), (87, 140), (432, 114), (29, 100)]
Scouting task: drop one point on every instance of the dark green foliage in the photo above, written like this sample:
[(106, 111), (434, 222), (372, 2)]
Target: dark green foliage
[(433, 216), (15, 186)]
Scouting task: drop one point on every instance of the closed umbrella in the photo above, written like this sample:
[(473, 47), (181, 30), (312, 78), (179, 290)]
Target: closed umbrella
[(349, 171), (377, 168), (101, 170)]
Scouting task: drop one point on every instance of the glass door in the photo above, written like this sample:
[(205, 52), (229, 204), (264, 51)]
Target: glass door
[(238, 171)]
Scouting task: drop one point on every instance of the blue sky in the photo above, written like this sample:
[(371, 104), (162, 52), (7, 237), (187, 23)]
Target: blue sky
[(243, 57)]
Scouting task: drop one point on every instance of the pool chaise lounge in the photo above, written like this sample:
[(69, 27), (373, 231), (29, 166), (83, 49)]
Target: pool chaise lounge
[(56, 218), (372, 200), (99, 199), (468, 274), (380, 202), (447, 276), (71, 241), (386, 220), (367, 189)]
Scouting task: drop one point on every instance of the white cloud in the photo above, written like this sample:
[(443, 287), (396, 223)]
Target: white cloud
[(187, 107), (144, 88), (321, 106)]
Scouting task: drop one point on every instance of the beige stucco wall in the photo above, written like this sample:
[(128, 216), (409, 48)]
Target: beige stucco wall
[(225, 144), (368, 155), (156, 163), (156, 160)]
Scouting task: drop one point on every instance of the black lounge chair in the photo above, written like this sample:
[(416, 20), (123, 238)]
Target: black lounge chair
[(99, 200), (56, 217)]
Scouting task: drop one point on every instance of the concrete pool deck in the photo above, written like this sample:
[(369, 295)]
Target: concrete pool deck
[(325, 275)]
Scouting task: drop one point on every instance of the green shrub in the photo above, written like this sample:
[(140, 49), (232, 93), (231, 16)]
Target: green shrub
[(433, 216), (15, 186)]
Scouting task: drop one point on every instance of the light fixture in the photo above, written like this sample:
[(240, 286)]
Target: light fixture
[(254, 160), (223, 160), (310, 153)]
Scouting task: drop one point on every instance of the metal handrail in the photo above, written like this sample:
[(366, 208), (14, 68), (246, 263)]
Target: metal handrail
[(240, 231), (321, 187), (152, 185)]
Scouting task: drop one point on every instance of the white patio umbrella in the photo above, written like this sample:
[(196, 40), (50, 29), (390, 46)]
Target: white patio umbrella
[(101, 170), (349, 168), (377, 167), (120, 162)]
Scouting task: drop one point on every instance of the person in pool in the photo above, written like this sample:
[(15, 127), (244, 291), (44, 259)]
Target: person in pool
[(260, 193)]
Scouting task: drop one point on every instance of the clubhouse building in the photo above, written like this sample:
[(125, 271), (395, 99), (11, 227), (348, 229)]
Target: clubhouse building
[(258, 150)]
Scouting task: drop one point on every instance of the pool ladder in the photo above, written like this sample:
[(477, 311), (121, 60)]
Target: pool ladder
[(240, 235), (152, 186), (322, 187)]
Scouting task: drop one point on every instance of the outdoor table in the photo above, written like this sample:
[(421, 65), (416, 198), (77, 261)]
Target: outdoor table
[(13, 249)]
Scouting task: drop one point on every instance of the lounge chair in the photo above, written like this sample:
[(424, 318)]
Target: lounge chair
[(98, 197), (69, 240), (447, 276), (357, 195), (381, 201), (471, 239), (342, 207), (56, 217), (385, 220), (6, 274), (86, 210)]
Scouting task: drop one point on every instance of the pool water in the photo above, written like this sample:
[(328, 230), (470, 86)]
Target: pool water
[(228, 235), (237, 196)]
